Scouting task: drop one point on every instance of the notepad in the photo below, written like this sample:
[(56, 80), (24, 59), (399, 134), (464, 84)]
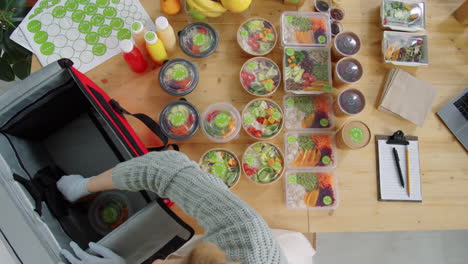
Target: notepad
[(389, 185)]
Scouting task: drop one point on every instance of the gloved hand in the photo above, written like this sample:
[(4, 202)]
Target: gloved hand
[(73, 187), (106, 255)]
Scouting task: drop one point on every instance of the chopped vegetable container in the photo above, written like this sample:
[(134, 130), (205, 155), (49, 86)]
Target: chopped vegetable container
[(308, 112), (260, 76), (263, 163), (198, 40), (223, 164), (262, 119), (307, 70), (310, 150), (179, 120), (178, 77), (221, 122), (311, 190), (410, 49), (305, 29), (257, 36), (403, 15)]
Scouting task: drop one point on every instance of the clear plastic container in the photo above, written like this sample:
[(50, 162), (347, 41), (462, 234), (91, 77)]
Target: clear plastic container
[(263, 163), (311, 190), (346, 44), (307, 70), (403, 15), (231, 13), (221, 122), (408, 49), (310, 150), (262, 119), (179, 120), (223, 164), (308, 112), (178, 77), (198, 40), (305, 29), (260, 76), (257, 36)]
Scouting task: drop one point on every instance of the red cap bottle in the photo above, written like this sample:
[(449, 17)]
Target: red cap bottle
[(133, 56)]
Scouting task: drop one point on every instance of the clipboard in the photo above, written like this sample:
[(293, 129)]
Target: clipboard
[(388, 182)]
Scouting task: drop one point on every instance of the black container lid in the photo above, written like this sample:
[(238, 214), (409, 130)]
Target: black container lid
[(179, 120), (198, 40), (178, 77)]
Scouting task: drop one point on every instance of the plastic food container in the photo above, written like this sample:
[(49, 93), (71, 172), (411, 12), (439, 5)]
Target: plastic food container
[(307, 70), (350, 101), (308, 112), (257, 36), (260, 76), (403, 15), (337, 13), (263, 163), (322, 5), (221, 122), (305, 29), (198, 40), (262, 119), (178, 77), (408, 49), (347, 71), (336, 28), (353, 135), (310, 150), (223, 164), (179, 120), (345, 44), (311, 190)]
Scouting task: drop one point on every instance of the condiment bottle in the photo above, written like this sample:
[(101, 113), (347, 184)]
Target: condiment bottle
[(138, 34), (133, 56), (166, 33), (155, 48)]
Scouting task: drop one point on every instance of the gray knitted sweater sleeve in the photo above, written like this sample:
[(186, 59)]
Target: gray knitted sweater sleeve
[(229, 222)]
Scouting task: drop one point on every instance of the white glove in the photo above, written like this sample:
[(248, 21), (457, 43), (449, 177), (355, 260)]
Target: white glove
[(73, 187), (106, 255)]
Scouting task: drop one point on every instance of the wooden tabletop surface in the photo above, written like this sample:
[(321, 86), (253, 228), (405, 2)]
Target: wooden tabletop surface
[(444, 162)]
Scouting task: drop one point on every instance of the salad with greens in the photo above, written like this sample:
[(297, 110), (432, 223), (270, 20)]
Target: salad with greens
[(262, 119), (221, 122), (260, 76), (222, 164), (257, 36), (263, 163), (403, 14)]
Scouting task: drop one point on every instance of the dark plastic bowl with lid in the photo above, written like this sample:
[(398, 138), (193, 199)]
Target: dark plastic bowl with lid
[(198, 40), (179, 120), (178, 77)]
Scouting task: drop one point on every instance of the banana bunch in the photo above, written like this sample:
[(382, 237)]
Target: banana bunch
[(208, 8)]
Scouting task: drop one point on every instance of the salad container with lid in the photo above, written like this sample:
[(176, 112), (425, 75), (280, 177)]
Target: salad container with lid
[(221, 122), (403, 15), (263, 163), (307, 70), (311, 190), (260, 76), (409, 49), (305, 29), (178, 77), (308, 112), (223, 164), (179, 120), (257, 36), (262, 119), (310, 150), (198, 40)]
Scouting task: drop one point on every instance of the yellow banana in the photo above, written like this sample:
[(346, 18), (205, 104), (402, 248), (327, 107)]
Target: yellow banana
[(202, 10), (210, 5)]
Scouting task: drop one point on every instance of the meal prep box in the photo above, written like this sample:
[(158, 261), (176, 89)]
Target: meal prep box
[(306, 112), (305, 29), (406, 49), (403, 15)]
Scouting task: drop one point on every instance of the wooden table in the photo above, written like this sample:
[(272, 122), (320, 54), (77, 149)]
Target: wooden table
[(444, 162)]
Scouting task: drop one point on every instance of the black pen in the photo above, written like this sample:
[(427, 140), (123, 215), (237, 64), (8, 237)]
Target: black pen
[(397, 160)]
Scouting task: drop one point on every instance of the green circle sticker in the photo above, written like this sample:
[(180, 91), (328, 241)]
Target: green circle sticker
[(109, 12), (292, 178), (294, 1), (291, 139), (59, 12), (71, 5), (179, 72), (290, 52), (289, 19), (277, 166), (54, 2), (252, 66), (83, 2), (327, 200), (43, 4), (92, 38), (324, 122), (34, 26), (290, 102), (356, 134), (85, 27), (326, 160), (104, 31), (222, 120), (276, 116), (268, 86), (117, 23), (327, 88), (244, 33), (177, 119), (97, 20), (90, 9), (78, 16), (250, 160), (124, 34), (218, 169), (102, 3), (322, 39), (99, 49), (249, 120), (115, 1), (41, 37), (200, 39), (47, 48), (270, 36)]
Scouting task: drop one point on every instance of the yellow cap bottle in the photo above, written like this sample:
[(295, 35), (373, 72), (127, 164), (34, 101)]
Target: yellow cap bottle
[(155, 48)]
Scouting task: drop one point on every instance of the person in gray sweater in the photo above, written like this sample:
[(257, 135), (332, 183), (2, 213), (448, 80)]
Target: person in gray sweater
[(231, 224)]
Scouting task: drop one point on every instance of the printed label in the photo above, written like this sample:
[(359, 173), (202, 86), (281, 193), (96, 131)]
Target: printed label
[(289, 52), (222, 120), (249, 120), (218, 169), (322, 39), (276, 116), (179, 72), (177, 119), (252, 66), (327, 88), (324, 122), (277, 166), (200, 39), (291, 139), (326, 160), (356, 134), (290, 102), (327, 200), (292, 178)]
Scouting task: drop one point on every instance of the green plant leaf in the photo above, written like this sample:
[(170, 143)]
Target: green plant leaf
[(6, 72), (22, 69)]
